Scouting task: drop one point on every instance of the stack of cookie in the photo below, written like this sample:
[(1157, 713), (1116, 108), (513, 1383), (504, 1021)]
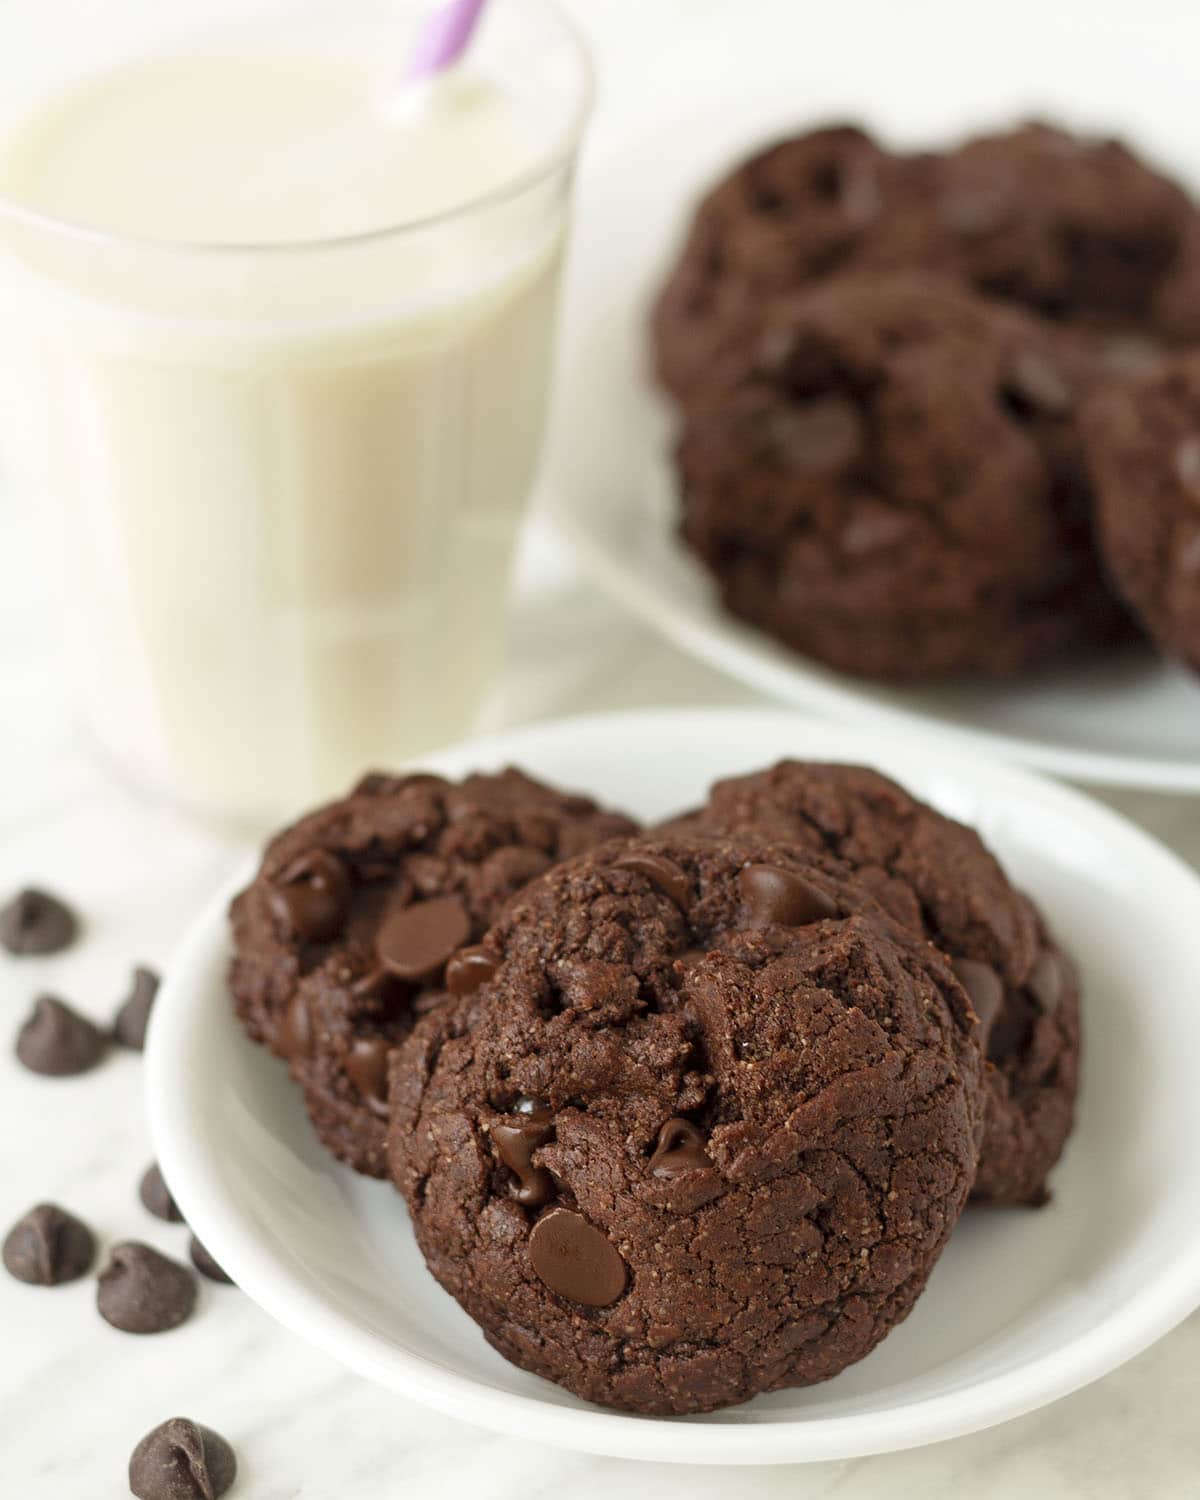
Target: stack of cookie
[(680, 1115), (885, 365)]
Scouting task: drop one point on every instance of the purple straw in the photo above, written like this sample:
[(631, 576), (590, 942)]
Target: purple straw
[(444, 38)]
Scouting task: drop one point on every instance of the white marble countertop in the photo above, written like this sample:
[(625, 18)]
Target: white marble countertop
[(75, 1395)]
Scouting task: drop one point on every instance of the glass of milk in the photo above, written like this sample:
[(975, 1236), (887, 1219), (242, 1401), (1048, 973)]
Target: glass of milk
[(273, 366)]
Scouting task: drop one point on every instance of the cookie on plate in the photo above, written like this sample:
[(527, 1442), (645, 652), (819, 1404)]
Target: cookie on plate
[(894, 485), (1143, 445), (938, 877), (702, 1133), (344, 935)]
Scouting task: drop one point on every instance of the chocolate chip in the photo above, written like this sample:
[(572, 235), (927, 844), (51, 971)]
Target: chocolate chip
[(49, 1246), (469, 969), (661, 872), (680, 1148), (575, 1260), (819, 437), (1045, 982), (181, 1460), (1187, 466), (58, 1041), (312, 896), (684, 963), (781, 897), (515, 1140), (205, 1264), (36, 922), (367, 1067), (295, 1030), (129, 1028), (415, 942), (875, 528), (141, 1291), (156, 1196), (984, 988), (1035, 385), (972, 212)]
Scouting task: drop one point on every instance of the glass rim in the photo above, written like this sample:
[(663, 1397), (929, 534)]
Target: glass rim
[(507, 191)]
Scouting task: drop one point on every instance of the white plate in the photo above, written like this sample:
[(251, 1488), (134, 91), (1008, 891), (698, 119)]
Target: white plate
[(1130, 721), (1023, 1307)]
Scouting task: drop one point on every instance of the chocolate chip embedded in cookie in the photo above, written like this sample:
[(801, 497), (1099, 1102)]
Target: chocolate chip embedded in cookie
[(704, 1133), (938, 877), (370, 910)]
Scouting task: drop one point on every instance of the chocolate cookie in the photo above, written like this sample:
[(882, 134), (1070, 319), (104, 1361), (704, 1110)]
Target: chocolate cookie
[(938, 878), (344, 935), (703, 1133), (894, 486), (1143, 445)]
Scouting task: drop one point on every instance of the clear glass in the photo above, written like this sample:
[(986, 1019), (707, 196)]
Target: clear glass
[(282, 483)]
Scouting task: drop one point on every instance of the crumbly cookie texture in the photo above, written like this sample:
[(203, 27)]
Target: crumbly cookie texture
[(347, 930), (938, 878), (702, 1133)]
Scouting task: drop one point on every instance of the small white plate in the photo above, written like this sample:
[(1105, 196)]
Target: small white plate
[(1023, 1307), (1133, 720)]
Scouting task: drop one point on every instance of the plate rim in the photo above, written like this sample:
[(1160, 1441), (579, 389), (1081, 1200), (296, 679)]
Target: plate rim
[(1139, 1321)]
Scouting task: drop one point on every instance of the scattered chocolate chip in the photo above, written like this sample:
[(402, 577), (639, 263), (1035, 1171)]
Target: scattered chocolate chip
[(775, 896), (1045, 982), (680, 1148), (821, 436), (575, 1260), (156, 1196), (1034, 385), (469, 969), (141, 1291), (984, 988), (58, 1041), (415, 942), (367, 1067), (661, 872), (205, 1264), (515, 1140), (181, 1460), (312, 896), (295, 1030), (49, 1246), (36, 922), (129, 1028), (1187, 466)]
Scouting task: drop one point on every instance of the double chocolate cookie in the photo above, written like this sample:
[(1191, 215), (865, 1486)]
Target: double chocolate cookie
[(894, 484), (938, 878), (346, 933), (702, 1133), (1143, 445)]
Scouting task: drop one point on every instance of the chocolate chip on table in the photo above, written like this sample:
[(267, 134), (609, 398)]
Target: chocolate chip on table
[(468, 970), (367, 1065), (984, 988), (311, 896), (57, 1041), (515, 1139), (36, 922), (661, 872), (680, 1148), (205, 1264), (181, 1460), (575, 1260), (49, 1246), (141, 1291), (416, 942), (776, 897), (129, 1027), (156, 1195)]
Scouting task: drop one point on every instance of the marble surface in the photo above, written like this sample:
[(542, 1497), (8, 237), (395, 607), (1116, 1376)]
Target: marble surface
[(75, 1395)]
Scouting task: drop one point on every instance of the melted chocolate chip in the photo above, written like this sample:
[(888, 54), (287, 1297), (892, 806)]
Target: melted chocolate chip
[(415, 942), (469, 969), (1045, 982), (1035, 385), (295, 1030), (515, 1140), (984, 988), (141, 1291), (180, 1460), (575, 1260), (129, 1027), (781, 897), (312, 896), (57, 1041), (156, 1196), (1187, 466), (680, 1148), (367, 1067), (36, 922), (205, 1264), (662, 873), (49, 1246)]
